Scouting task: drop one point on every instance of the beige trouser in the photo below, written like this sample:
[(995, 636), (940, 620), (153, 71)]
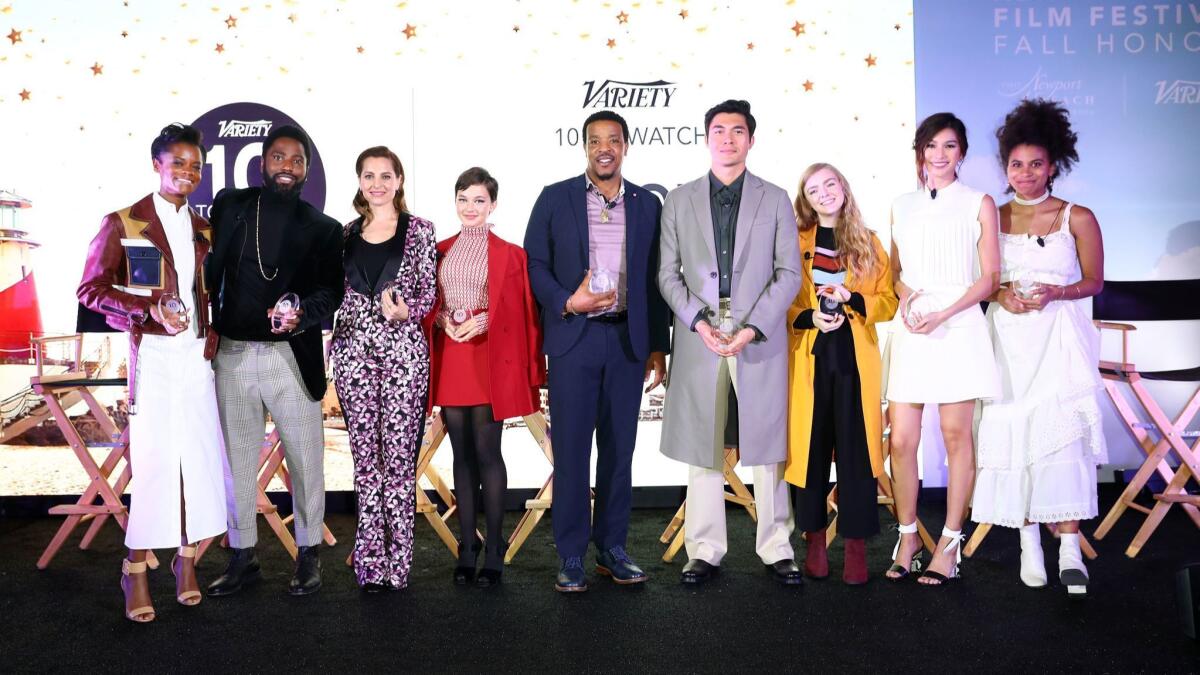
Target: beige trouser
[(704, 530)]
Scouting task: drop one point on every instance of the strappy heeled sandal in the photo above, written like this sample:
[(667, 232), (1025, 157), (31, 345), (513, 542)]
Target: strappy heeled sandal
[(185, 598), (955, 545), (144, 614), (914, 563)]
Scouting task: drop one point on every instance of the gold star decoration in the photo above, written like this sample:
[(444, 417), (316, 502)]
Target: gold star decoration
[(231, 21), (897, 26), (750, 46), (622, 17), (25, 94), (15, 36), (124, 33), (612, 43), (798, 29), (410, 31), (870, 60), (292, 18), (808, 85), (360, 49), (683, 13), (97, 69), (219, 48), (516, 28)]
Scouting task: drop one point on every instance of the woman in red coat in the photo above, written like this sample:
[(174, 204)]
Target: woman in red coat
[(486, 364)]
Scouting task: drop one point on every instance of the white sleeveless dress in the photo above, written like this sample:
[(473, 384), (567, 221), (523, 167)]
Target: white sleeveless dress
[(1041, 439), (937, 242)]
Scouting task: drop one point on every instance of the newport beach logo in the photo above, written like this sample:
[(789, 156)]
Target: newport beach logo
[(616, 94), (1178, 92), (1070, 92), (243, 129)]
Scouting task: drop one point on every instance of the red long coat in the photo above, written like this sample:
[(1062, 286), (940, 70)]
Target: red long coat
[(515, 359)]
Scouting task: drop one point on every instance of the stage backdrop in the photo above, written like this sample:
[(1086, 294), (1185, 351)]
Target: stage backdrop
[(84, 87), (1130, 76)]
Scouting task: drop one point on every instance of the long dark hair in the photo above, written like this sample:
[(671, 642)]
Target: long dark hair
[(360, 202), (931, 126)]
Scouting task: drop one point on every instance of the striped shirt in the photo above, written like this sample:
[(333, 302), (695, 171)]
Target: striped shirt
[(463, 275)]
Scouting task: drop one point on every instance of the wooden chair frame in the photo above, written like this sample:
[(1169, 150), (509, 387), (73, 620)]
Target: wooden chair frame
[(60, 392), (1171, 440), (271, 464), (738, 493)]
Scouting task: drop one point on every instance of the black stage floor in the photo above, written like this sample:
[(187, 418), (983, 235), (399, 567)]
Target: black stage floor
[(69, 617)]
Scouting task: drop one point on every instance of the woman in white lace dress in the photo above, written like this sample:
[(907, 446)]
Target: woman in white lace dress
[(1041, 439)]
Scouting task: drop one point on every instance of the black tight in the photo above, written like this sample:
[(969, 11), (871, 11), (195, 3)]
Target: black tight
[(475, 437)]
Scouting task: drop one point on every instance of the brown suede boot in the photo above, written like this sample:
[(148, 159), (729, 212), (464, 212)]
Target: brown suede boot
[(816, 558), (854, 569)]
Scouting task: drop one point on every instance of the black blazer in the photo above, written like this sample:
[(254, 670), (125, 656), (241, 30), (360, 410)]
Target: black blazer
[(312, 269)]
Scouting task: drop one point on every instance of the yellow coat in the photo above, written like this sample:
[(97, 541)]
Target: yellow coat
[(881, 302)]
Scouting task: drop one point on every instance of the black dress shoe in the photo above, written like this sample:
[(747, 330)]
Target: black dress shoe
[(242, 570), (307, 578), (697, 571), (616, 563), (786, 572), (571, 578)]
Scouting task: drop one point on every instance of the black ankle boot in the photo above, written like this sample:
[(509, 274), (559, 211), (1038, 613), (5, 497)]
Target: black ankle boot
[(242, 570), (464, 573), (307, 578), (493, 566)]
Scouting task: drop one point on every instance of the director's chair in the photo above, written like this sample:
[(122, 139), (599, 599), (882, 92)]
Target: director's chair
[(1151, 301)]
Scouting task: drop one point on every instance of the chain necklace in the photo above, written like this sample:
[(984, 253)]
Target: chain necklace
[(258, 244)]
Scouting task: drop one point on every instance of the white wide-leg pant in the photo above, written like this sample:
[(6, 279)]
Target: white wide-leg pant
[(704, 533)]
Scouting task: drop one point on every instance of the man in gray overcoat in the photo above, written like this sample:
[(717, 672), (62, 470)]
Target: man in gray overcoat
[(729, 269)]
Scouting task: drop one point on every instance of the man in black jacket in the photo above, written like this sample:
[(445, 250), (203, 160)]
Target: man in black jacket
[(269, 242)]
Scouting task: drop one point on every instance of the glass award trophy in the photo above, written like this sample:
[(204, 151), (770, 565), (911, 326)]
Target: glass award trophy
[(602, 281), (172, 310), (1024, 283), (828, 303), (912, 317), (392, 290), (285, 308)]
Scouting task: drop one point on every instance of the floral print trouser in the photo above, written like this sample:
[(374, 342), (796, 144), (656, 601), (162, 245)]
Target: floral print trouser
[(383, 400)]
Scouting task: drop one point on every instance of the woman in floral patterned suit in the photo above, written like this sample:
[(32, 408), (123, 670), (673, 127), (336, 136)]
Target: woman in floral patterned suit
[(381, 364)]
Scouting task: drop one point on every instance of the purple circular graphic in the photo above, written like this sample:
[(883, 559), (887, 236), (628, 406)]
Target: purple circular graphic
[(233, 136)]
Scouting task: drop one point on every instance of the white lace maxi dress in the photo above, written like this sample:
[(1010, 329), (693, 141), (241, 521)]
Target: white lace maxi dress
[(1041, 440)]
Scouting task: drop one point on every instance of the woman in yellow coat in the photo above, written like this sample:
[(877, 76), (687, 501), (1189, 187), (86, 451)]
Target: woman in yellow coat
[(835, 369)]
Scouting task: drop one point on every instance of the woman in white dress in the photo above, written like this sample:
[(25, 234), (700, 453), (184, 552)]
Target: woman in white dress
[(144, 273), (1041, 439), (945, 259)]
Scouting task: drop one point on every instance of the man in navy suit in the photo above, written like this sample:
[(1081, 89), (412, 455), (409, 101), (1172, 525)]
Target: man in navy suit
[(592, 243)]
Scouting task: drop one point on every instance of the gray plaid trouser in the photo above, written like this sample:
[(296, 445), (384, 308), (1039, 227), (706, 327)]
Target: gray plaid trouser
[(254, 378)]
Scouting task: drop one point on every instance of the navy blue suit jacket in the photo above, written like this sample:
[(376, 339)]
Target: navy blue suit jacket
[(556, 242)]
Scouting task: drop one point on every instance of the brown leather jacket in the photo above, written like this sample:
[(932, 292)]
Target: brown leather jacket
[(130, 265)]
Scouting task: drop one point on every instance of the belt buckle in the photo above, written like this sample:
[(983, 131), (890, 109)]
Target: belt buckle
[(459, 316)]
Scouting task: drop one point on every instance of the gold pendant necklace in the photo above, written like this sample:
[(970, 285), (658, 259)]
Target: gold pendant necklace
[(258, 244), (604, 214)]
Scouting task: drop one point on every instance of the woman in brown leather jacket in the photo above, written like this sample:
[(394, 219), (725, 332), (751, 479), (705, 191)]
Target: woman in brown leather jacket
[(144, 272)]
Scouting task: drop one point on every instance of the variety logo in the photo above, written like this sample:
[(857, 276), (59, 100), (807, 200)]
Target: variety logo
[(243, 129), (1179, 92), (234, 135), (617, 94)]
